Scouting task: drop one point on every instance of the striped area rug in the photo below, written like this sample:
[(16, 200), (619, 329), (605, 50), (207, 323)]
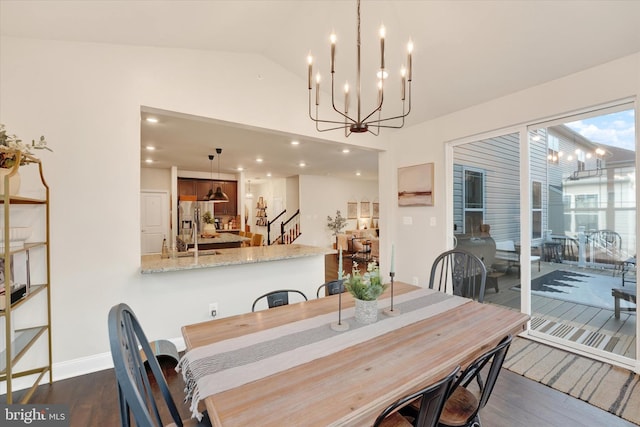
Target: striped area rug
[(608, 387), (573, 333)]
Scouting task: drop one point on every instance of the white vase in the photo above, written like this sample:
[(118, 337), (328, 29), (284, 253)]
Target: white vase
[(209, 229), (14, 182), (366, 311)]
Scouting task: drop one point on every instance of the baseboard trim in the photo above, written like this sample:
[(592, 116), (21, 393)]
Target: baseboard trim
[(76, 368)]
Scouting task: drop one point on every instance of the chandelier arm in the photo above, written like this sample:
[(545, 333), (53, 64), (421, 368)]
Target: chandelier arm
[(333, 103), (404, 114), (317, 120), (378, 108), (334, 128)]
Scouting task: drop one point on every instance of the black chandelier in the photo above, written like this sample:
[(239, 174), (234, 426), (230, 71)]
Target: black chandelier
[(371, 122)]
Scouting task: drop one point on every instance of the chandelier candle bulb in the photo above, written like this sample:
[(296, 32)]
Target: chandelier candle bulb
[(382, 34), (403, 73), (346, 98), (410, 50), (318, 89), (310, 61), (333, 51)]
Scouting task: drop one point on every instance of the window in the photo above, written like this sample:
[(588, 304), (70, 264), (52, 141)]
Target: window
[(586, 201), (554, 149), (473, 200), (536, 209)]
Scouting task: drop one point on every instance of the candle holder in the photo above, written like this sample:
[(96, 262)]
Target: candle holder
[(340, 326), (391, 311)]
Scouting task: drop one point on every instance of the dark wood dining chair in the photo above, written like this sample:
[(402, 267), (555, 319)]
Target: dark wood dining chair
[(277, 298), (460, 270), (462, 406), (428, 402), (333, 287), (135, 394)]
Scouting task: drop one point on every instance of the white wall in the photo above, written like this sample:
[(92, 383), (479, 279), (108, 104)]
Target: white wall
[(322, 196), (418, 244), (86, 99), (155, 179)]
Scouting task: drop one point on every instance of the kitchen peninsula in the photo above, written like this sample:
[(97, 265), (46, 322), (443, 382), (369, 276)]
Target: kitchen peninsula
[(231, 278), (231, 256)]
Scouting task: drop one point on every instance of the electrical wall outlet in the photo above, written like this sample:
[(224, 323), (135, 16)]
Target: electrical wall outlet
[(213, 309)]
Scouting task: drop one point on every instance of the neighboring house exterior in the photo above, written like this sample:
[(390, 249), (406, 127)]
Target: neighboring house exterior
[(574, 183)]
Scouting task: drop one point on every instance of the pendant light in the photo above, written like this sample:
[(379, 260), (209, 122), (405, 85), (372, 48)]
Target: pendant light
[(249, 194), (209, 195), (219, 196)]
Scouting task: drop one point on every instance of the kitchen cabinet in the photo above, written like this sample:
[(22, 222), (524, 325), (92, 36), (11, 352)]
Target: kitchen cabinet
[(200, 188), (24, 263), (186, 187), (230, 208)]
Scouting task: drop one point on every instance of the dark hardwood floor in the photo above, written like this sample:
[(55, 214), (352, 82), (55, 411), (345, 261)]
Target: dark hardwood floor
[(515, 402)]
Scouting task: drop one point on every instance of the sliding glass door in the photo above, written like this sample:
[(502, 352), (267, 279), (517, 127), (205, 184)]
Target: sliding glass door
[(588, 247), (573, 266)]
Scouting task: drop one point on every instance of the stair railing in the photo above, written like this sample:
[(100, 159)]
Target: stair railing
[(269, 227)]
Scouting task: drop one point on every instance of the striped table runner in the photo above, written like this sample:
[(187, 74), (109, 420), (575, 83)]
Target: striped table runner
[(230, 363)]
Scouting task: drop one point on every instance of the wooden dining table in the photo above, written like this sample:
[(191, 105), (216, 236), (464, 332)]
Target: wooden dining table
[(355, 373)]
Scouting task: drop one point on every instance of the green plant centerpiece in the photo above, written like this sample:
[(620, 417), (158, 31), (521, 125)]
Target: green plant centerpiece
[(336, 225), (209, 228), (365, 288)]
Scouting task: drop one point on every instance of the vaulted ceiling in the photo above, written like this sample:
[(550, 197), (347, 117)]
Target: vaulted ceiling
[(466, 52)]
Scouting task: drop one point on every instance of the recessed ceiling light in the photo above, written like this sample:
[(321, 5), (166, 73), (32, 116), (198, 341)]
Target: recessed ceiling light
[(345, 150), (259, 160), (240, 169), (152, 120), (149, 161), (357, 173), (269, 174), (150, 147), (302, 164), (295, 142)]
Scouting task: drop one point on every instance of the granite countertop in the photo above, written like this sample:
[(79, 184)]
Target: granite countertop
[(233, 256), (220, 238)]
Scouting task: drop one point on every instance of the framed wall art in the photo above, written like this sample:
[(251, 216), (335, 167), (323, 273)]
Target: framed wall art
[(376, 210), (365, 209), (352, 210), (415, 185)]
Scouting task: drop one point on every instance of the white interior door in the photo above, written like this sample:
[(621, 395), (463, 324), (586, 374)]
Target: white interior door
[(154, 220)]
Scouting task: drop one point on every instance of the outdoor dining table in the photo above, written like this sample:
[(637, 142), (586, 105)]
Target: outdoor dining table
[(286, 366)]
